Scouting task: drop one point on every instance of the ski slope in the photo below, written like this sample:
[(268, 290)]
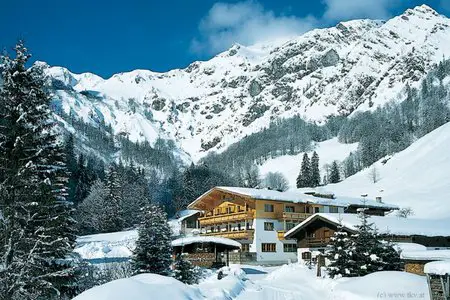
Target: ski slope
[(417, 177), (289, 165)]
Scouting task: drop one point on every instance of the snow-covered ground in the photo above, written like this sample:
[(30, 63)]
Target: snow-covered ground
[(416, 177), (106, 245), (295, 281), (289, 165), (292, 281)]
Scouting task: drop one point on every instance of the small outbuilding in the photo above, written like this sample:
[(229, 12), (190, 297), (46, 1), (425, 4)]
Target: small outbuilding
[(205, 251), (415, 261)]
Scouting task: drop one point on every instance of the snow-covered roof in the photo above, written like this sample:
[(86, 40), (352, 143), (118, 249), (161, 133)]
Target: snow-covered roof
[(298, 197), (426, 255), (205, 239), (185, 213), (401, 247), (438, 267), (385, 225)]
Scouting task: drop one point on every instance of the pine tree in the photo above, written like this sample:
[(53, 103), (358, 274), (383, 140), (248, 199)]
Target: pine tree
[(315, 171), (184, 271), (364, 245), (349, 165), (153, 252), (304, 178), (71, 163), (36, 232), (111, 216), (335, 177), (388, 259), (339, 254)]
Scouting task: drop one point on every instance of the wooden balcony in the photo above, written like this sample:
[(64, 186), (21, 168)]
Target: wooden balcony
[(241, 234), (317, 242), (295, 216), (227, 218)]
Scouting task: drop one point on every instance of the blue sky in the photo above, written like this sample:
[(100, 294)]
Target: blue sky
[(107, 37)]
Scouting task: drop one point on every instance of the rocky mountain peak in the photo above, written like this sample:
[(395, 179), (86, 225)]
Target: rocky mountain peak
[(356, 65)]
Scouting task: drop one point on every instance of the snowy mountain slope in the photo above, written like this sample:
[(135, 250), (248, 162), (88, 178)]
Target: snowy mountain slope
[(416, 177), (212, 104), (289, 165)]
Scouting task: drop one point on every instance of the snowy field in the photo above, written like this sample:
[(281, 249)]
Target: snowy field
[(289, 165), (293, 281), (416, 177)]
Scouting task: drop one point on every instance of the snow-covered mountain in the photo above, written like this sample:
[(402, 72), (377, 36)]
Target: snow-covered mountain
[(416, 177), (209, 105)]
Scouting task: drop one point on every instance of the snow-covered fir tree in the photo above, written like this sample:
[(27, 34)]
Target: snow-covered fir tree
[(184, 271), (339, 254), (111, 216), (335, 176), (36, 232), (386, 257), (315, 171), (304, 178), (370, 252), (153, 252), (363, 245)]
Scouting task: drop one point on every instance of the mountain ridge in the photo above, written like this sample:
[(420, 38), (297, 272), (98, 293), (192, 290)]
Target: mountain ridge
[(356, 65)]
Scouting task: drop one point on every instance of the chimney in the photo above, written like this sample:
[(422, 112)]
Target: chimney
[(379, 199)]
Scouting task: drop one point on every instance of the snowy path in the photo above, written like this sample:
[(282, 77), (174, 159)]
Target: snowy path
[(282, 283)]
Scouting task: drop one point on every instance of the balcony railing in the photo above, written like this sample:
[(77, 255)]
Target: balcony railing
[(317, 242), (225, 218), (295, 216), (237, 234)]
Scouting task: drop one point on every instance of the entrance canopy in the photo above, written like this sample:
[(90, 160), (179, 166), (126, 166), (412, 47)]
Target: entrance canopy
[(220, 243)]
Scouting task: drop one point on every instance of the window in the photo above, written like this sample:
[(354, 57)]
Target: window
[(245, 248), (191, 223), (333, 209), (269, 247), (290, 225), (290, 248), (289, 209), (268, 226), (316, 210), (306, 255), (268, 207)]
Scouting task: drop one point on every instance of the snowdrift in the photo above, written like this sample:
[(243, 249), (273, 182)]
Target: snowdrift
[(142, 287), (383, 285)]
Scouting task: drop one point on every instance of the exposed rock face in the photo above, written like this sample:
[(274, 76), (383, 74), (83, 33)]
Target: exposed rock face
[(353, 66)]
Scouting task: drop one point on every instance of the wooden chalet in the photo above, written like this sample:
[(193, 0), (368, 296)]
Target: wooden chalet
[(259, 218), (314, 233)]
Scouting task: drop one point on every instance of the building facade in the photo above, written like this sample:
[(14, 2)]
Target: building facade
[(313, 235), (259, 218)]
